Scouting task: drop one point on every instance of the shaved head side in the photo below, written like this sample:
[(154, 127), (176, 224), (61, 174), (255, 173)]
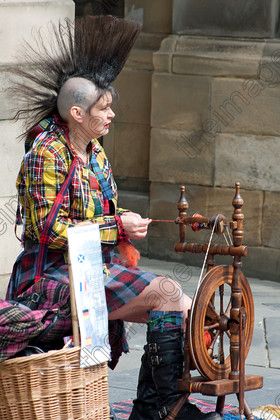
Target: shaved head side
[(76, 91)]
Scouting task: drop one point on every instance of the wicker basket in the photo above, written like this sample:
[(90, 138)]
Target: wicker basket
[(52, 386)]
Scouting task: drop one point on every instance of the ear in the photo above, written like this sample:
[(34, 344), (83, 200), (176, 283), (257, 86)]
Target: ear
[(77, 114)]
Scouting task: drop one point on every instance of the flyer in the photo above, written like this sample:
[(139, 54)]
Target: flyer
[(87, 272)]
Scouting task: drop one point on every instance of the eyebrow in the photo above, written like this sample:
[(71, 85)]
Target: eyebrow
[(106, 104)]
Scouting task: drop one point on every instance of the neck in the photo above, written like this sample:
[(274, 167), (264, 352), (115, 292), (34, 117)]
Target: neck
[(79, 140)]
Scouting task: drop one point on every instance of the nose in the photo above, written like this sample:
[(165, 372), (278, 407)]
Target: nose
[(111, 114)]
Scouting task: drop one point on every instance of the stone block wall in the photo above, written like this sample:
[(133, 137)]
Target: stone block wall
[(214, 121), (234, 18), (130, 134), (17, 20)]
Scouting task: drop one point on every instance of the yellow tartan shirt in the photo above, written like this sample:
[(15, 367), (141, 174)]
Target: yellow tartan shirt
[(43, 170)]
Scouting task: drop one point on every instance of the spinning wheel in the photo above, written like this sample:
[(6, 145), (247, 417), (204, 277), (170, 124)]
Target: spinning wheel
[(223, 307), (211, 312)]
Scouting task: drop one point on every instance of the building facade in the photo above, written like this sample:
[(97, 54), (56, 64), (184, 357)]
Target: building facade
[(198, 106)]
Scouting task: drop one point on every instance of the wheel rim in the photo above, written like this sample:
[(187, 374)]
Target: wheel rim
[(213, 317)]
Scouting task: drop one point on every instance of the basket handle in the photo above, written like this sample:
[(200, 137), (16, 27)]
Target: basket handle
[(74, 313)]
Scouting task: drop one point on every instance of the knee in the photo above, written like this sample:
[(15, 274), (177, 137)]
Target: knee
[(164, 291)]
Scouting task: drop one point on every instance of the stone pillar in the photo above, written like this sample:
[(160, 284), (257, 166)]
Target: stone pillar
[(128, 144), (22, 17)]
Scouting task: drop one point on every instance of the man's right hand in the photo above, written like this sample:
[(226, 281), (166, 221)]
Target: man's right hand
[(134, 225)]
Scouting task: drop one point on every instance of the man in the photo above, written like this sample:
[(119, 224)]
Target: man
[(71, 104)]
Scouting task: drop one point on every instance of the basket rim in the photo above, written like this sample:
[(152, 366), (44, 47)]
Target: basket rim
[(23, 359)]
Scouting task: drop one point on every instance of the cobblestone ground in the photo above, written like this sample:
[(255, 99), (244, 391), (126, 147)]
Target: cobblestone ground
[(264, 356)]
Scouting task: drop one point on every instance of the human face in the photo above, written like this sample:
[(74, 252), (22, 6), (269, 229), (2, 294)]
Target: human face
[(101, 116)]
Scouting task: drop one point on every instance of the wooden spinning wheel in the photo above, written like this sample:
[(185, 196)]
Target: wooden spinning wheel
[(211, 312), (222, 308)]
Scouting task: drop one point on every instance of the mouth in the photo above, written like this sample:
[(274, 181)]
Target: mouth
[(107, 126)]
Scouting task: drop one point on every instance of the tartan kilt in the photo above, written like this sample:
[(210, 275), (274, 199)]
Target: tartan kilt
[(121, 286)]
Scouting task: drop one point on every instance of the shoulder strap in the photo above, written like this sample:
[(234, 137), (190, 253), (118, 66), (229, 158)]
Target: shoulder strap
[(45, 235), (106, 188)]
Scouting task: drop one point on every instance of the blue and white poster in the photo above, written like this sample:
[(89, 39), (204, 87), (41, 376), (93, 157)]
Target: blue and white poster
[(87, 271)]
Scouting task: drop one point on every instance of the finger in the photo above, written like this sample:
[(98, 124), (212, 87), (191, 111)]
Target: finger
[(141, 229), (144, 222), (148, 220), (131, 213), (139, 235)]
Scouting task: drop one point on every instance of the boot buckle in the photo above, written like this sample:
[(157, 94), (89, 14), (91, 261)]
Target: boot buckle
[(155, 360), (163, 412), (153, 348)]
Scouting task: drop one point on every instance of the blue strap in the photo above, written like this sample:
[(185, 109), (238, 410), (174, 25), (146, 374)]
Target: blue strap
[(105, 185)]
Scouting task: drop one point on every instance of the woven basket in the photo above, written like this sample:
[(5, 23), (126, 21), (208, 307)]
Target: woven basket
[(52, 386)]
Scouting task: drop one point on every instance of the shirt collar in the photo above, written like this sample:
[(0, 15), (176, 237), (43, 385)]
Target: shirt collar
[(57, 125)]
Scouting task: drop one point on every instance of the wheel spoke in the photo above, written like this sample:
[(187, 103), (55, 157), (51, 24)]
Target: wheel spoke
[(210, 349), (211, 312), (211, 327), (221, 349), (221, 292), (228, 334), (227, 312)]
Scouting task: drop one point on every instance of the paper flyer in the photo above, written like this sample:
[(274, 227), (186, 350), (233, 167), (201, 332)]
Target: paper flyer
[(87, 269)]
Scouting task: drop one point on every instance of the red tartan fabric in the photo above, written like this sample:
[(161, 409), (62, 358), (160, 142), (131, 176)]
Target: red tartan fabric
[(121, 285), (18, 325), (43, 171), (44, 167)]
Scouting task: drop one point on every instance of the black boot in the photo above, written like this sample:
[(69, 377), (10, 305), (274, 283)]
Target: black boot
[(165, 357), (146, 403)]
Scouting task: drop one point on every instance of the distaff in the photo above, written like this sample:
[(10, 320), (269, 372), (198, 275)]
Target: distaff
[(198, 222)]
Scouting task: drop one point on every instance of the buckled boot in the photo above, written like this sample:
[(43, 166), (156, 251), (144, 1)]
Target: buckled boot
[(146, 403), (165, 356)]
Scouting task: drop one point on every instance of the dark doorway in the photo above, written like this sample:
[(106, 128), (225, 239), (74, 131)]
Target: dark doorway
[(100, 7)]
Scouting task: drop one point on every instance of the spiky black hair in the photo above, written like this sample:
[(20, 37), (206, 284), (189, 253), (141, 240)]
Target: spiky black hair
[(95, 48)]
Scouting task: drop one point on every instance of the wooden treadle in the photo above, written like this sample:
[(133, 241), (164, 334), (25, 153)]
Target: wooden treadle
[(221, 386)]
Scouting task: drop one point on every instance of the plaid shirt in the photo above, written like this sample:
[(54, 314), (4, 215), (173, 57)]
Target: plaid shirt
[(42, 173)]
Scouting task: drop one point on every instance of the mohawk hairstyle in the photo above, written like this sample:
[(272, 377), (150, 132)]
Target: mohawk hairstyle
[(95, 48)]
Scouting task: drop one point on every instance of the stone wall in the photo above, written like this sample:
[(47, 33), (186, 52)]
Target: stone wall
[(17, 19), (220, 125), (234, 18), (214, 120)]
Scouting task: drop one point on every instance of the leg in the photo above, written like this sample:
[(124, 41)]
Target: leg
[(165, 358), (220, 405), (162, 294), (145, 405), (162, 363), (247, 410)]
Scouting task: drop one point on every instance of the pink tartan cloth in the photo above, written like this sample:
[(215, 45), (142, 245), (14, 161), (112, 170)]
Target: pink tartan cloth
[(18, 325), (52, 293)]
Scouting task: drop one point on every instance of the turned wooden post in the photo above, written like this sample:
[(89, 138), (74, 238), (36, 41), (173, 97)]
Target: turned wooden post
[(236, 292), (182, 206), (210, 262)]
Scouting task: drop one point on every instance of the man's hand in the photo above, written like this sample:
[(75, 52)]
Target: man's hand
[(134, 225)]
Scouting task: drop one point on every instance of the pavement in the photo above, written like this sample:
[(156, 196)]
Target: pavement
[(264, 355)]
